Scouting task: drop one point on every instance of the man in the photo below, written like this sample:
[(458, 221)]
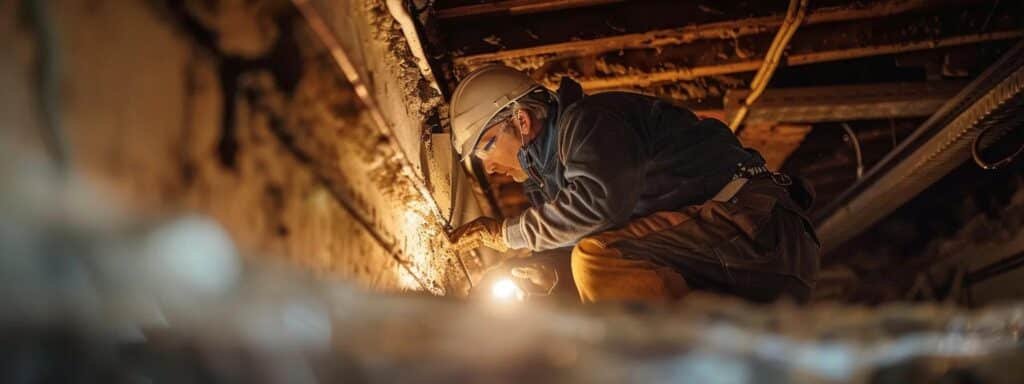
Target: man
[(654, 201)]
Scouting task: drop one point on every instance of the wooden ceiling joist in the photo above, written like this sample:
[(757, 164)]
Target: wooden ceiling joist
[(516, 7), (845, 102), (636, 80), (719, 30)]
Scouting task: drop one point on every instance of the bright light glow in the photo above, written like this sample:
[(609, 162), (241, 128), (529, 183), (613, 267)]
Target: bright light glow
[(413, 219), (419, 240), (506, 289)]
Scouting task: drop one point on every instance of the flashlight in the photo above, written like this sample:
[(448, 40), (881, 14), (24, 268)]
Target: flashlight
[(507, 290)]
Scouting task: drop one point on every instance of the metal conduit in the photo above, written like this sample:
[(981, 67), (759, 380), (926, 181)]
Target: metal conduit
[(994, 102), (320, 28), (323, 32)]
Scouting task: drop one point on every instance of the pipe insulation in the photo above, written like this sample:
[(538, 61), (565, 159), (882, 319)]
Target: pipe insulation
[(401, 14), (794, 16)]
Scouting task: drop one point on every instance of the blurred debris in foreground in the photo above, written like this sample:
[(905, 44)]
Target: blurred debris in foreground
[(93, 297)]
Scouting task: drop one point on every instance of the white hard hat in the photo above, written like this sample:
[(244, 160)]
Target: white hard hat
[(478, 98)]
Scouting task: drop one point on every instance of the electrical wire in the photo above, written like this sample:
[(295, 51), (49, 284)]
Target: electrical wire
[(553, 284), (794, 16), (976, 155), (550, 289), (856, 149)]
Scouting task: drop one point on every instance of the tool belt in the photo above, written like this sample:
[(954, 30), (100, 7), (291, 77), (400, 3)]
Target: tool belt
[(746, 172), (801, 194)]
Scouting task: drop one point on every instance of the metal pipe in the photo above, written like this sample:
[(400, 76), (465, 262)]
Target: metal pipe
[(995, 269), (408, 26), (938, 146), (320, 28)]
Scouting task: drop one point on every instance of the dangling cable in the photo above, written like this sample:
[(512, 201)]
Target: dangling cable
[(856, 149), (996, 165)]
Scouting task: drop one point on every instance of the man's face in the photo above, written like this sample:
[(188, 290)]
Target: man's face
[(498, 149)]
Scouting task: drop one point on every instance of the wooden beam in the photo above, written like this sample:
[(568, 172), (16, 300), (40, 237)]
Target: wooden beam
[(648, 79), (721, 30), (516, 7), (845, 102)]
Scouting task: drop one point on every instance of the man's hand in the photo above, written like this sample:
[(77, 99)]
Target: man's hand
[(484, 231), (538, 274)]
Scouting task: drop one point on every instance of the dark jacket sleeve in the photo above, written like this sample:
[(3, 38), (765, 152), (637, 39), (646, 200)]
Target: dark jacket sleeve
[(604, 176)]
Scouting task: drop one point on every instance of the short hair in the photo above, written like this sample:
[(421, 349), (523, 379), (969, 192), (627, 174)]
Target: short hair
[(535, 103)]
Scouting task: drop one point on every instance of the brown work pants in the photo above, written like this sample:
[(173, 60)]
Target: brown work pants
[(757, 246)]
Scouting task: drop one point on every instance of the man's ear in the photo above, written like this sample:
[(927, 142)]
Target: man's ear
[(523, 123)]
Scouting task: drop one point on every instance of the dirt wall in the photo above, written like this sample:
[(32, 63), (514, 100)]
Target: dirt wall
[(235, 110)]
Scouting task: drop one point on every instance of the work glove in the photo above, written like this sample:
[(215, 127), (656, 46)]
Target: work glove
[(538, 274), (484, 231)]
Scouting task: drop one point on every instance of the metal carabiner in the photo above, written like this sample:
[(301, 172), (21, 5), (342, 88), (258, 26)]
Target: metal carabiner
[(781, 179)]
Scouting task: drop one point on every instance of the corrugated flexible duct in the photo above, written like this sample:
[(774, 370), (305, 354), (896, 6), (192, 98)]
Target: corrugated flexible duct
[(994, 101)]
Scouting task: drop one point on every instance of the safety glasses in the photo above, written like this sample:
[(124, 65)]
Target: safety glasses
[(486, 146)]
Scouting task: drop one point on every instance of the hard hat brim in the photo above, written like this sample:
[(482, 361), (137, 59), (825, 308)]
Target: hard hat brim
[(466, 152)]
